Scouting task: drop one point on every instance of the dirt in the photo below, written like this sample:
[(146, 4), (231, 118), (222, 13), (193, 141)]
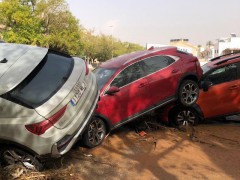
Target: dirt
[(208, 151)]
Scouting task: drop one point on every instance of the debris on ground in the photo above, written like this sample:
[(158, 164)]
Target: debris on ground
[(147, 123), (19, 172), (142, 133), (89, 157), (150, 123)]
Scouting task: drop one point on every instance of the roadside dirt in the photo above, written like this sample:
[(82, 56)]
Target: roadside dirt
[(209, 151)]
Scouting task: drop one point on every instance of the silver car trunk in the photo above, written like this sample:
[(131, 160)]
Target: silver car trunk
[(64, 95), (18, 64)]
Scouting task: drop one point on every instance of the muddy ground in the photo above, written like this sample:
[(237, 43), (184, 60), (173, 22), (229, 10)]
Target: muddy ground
[(208, 151)]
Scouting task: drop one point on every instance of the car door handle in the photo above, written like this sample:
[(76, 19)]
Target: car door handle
[(175, 70), (141, 85), (234, 87)]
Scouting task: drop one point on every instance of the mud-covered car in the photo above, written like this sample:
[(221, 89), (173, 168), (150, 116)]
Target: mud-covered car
[(136, 83), (219, 94), (46, 101)]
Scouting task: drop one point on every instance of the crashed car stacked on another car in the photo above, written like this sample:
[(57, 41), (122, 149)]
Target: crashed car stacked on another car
[(134, 84), (219, 94), (46, 102)]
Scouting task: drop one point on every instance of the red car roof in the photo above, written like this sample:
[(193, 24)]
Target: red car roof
[(221, 60), (127, 58)]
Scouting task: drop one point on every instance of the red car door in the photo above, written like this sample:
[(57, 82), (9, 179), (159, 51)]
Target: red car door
[(223, 97), (132, 97), (164, 75)]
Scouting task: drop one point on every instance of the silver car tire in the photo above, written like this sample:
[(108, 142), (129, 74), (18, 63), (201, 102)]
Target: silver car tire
[(188, 93), (95, 133), (12, 156), (185, 117)]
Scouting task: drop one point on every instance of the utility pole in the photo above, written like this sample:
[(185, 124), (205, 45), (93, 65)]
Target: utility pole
[(111, 38)]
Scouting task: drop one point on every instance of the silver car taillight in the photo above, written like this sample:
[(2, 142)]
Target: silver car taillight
[(41, 127)]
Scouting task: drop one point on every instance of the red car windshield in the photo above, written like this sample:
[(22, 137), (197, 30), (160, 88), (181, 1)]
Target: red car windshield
[(103, 75)]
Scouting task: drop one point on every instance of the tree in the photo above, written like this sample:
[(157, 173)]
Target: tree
[(90, 42), (209, 44), (102, 47), (46, 23), (21, 26), (105, 47), (60, 28), (49, 23)]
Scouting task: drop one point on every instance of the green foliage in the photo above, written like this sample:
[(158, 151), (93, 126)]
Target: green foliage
[(49, 23), (21, 26), (60, 28), (103, 47)]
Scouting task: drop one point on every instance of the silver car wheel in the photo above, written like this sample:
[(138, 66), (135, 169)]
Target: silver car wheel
[(11, 156), (185, 118), (189, 93), (96, 132)]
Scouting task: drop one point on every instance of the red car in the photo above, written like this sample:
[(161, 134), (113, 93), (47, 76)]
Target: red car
[(219, 96), (134, 84)]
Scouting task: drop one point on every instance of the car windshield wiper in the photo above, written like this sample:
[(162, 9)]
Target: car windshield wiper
[(4, 60)]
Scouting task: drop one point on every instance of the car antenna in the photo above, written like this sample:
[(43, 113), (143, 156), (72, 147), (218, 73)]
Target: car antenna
[(4, 60)]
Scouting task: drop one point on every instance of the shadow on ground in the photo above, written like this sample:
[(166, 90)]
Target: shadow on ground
[(207, 151)]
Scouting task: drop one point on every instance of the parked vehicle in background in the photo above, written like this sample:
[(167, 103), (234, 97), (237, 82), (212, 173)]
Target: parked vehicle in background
[(219, 96), (134, 84), (46, 102)]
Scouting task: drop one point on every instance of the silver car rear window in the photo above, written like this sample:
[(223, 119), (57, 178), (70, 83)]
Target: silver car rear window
[(45, 80)]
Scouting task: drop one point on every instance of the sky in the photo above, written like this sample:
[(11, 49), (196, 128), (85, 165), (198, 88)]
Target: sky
[(158, 21)]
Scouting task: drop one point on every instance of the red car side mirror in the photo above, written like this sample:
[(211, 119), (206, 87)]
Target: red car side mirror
[(112, 90)]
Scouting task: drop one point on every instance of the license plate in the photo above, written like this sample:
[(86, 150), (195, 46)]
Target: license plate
[(79, 88)]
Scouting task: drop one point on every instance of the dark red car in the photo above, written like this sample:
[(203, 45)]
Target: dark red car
[(219, 96), (134, 84)]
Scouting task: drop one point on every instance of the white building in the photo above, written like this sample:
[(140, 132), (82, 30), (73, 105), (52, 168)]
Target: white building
[(232, 42), (210, 52), (181, 44)]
